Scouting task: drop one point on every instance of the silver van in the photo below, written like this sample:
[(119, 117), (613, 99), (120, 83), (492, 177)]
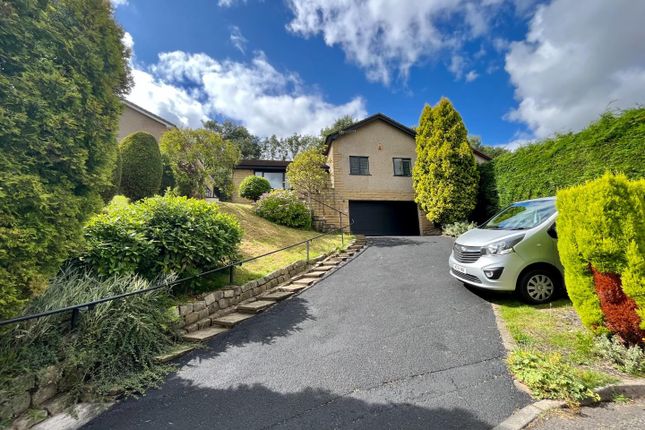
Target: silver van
[(516, 250)]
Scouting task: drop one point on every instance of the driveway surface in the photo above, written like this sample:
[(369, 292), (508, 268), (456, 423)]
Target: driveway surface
[(388, 341)]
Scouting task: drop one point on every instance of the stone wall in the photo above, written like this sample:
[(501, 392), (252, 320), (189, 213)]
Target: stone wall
[(198, 314)]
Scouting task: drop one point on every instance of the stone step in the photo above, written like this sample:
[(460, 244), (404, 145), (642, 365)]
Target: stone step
[(276, 295), (231, 319), (334, 261), (305, 281), (316, 273), (255, 306), (174, 353), (204, 334), (292, 288), (326, 267)]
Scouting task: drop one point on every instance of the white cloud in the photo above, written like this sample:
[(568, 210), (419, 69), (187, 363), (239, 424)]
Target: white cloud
[(237, 39), (577, 62), (127, 40), (388, 37), (471, 76), (117, 3), (188, 88), (229, 3)]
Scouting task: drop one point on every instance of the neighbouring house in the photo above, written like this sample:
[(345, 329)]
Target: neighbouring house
[(370, 167), (135, 118), (273, 170)]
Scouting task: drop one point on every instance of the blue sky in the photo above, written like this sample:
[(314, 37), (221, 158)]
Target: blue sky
[(515, 69)]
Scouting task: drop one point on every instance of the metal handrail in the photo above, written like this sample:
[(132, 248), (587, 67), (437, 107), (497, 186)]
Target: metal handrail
[(75, 309)]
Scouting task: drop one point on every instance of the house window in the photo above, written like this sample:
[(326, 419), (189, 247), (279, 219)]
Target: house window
[(359, 166), (276, 179), (402, 166)]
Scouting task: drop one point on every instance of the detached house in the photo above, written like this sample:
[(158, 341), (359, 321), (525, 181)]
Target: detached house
[(370, 168)]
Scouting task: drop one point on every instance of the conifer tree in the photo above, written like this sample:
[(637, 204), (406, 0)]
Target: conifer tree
[(445, 174)]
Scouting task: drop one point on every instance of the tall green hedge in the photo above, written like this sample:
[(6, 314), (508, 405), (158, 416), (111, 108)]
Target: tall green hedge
[(142, 167), (601, 224), (62, 70), (613, 143)]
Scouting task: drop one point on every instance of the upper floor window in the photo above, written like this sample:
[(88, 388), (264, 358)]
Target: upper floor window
[(359, 165), (402, 166)]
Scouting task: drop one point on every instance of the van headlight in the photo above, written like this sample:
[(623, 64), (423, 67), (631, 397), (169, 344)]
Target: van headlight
[(504, 246)]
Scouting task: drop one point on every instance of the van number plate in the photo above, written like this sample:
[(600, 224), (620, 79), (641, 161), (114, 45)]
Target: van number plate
[(459, 268)]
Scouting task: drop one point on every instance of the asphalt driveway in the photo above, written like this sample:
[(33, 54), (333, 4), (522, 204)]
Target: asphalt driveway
[(388, 341)]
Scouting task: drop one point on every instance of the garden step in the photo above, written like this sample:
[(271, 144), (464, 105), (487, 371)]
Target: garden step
[(305, 281), (276, 295), (174, 353), (204, 334), (255, 307), (292, 288), (326, 267), (231, 319), (334, 261), (316, 273)]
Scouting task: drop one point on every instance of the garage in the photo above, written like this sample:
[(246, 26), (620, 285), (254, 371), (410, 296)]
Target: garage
[(384, 218)]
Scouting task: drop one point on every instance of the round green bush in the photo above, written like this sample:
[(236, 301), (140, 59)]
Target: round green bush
[(285, 208), (161, 235), (141, 166), (252, 187)]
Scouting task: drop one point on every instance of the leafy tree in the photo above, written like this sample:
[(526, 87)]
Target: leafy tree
[(306, 174), (492, 151), (62, 70), (252, 187), (200, 159), (250, 146), (141, 166), (339, 124), (111, 190), (445, 174), (287, 148)]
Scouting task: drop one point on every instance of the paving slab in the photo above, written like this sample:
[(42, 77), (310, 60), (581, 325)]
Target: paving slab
[(305, 281), (174, 354), (316, 273), (231, 319), (204, 334), (292, 288), (255, 306), (276, 295)]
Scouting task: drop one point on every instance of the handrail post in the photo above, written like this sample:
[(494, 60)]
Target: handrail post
[(342, 231), (230, 275), (75, 315), (307, 252)]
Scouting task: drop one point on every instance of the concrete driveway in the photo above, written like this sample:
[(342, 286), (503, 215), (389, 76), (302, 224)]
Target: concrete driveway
[(388, 341)]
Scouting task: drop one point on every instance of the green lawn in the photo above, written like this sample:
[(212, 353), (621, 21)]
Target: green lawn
[(262, 236)]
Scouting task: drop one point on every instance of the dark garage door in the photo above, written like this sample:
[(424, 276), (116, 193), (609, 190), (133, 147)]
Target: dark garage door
[(384, 218)]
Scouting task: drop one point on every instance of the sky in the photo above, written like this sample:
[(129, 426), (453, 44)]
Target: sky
[(516, 70)]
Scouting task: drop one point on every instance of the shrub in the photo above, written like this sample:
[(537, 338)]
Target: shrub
[(285, 208), (63, 70), (252, 187), (614, 143), (550, 377), (115, 183), (629, 359), (601, 229), (161, 235), (141, 166), (458, 228), (487, 199), (445, 173), (113, 346)]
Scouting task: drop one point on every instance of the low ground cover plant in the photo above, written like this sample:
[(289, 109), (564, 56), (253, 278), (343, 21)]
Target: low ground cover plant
[(112, 348), (458, 228), (626, 358), (604, 255), (285, 208), (252, 187), (168, 234)]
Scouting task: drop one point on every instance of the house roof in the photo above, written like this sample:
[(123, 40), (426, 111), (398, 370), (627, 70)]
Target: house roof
[(148, 114), (382, 117), (263, 164)]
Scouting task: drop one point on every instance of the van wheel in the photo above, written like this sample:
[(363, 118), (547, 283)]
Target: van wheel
[(538, 286)]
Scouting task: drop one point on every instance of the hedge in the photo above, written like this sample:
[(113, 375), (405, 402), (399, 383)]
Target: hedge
[(161, 235), (613, 143), (601, 230), (141, 165)]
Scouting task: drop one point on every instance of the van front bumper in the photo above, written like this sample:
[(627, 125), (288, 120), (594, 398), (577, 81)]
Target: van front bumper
[(509, 264)]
